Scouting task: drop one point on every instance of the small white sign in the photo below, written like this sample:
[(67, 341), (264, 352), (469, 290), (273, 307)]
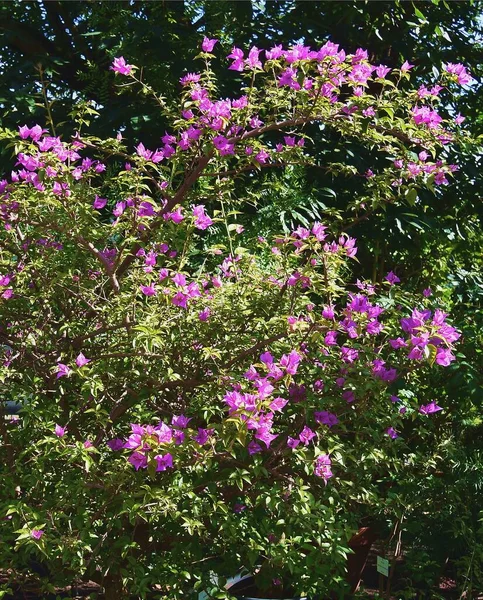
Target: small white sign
[(383, 566)]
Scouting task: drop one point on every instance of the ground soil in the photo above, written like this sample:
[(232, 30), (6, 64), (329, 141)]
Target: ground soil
[(447, 589)]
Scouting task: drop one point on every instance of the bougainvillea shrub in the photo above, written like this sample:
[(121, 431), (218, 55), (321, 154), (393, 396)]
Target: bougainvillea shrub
[(193, 401)]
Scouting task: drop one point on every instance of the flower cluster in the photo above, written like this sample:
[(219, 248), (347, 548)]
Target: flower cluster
[(428, 332)]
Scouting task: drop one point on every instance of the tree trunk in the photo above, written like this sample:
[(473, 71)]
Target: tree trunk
[(361, 544), (113, 588)]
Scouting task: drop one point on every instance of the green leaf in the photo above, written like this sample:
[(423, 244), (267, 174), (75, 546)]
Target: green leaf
[(411, 196)]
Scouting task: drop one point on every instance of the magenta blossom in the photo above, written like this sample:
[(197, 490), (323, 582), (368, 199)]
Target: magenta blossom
[(164, 461), (429, 409), (392, 433), (323, 467), (82, 361), (148, 290), (207, 45), (116, 444), (203, 435), (406, 66), (37, 533), (306, 435), (180, 421), (204, 314), (254, 448), (62, 370), (392, 278), (60, 431), (202, 220), (99, 203), (138, 460), (326, 418), (119, 66)]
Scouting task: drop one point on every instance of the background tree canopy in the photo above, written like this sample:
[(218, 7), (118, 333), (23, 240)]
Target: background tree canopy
[(59, 53)]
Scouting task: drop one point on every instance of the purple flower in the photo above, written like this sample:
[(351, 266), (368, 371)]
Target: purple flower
[(203, 435), (207, 45), (460, 71), (331, 338), (164, 433), (60, 431), (398, 343), (253, 61), (428, 409), (262, 157), (406, 66), (115, 444), (392, 278), (263, 434), (274, 53), (146, 209), (318, 385), (138, 460), (204, 314), (202, 220), (238, 508), (99, 203), (37, 533), (119, 209), (292, 442), (322, 467), (278, 404), (444, 357), (179, 279), (254, 448), (349, 396), (119, 66), (81, 360), (178, 436), (62, 370), (190, 78), (391, 432), (306, 435), (326, 418), (237, 56), (424, 115), (382, 71), (374, 327), (180, 299), (291, 362), (148, 290), (266, 358), (24, 132), (164, 461), (427, 292), (180, 421), (349, 355)]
